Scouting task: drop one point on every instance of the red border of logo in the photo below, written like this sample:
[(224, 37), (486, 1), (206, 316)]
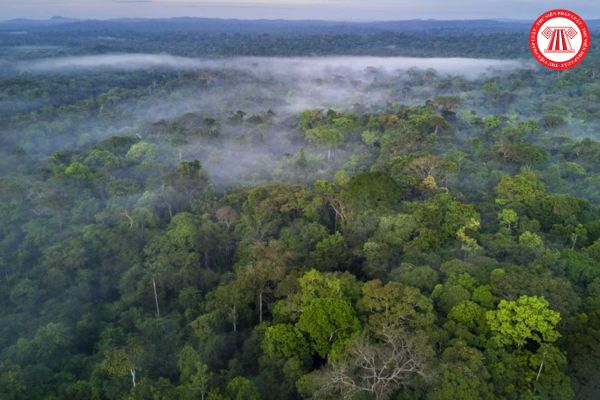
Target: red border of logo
[(537, 52)]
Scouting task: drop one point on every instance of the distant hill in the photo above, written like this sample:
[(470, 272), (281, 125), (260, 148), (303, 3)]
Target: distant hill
[(27, 23), (259, 26), (212, 25)]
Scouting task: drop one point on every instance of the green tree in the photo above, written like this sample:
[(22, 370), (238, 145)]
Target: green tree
[(394, 305), (464, 375), (528, 318), (123, 361), (285, 341), (240, 388), (508, 218), (194, 374), (329, 324)]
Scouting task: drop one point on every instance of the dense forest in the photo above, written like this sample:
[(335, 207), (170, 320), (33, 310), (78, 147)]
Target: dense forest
[(237, 211)]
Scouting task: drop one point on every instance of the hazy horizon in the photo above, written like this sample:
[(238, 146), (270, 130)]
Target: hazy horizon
[(67, 17), (325, 10)]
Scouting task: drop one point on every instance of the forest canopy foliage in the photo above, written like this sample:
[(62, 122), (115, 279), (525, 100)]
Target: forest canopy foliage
[(246, 234)]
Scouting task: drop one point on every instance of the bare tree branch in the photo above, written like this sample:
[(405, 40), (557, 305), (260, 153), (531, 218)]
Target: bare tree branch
[(377, 369)]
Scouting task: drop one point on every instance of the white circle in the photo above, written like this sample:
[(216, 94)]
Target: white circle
[(563, 46)]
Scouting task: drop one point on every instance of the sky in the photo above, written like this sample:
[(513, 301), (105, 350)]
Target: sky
[(348, 10)]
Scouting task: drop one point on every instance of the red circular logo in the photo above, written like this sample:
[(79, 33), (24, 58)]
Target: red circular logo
[(559, 39)]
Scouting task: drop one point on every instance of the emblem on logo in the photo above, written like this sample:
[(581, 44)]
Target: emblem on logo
[(559, 39)]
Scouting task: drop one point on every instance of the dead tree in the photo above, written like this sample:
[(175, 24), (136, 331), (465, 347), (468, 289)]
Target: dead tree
[(377, 369)]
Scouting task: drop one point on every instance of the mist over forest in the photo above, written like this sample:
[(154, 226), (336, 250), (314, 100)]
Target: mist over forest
[(207, 209), (278, 87)]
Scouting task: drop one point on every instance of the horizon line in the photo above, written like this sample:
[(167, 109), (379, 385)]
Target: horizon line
[(72, 19)]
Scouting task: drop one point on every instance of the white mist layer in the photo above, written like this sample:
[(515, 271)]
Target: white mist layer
[(297, 66), (254, 85)]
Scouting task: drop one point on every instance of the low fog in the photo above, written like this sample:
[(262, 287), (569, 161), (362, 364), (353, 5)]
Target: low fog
[(254, 85), (305, 67)]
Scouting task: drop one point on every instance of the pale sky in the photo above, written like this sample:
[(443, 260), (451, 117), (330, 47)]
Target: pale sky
[(351, 10)]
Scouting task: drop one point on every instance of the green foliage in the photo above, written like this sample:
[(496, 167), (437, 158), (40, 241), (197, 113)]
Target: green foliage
[(240, 388), (528, 318), (531, 241), (424, 277), (394, 305), (508, 218), (194, 374), (143, 153), (237, 250), (285, 341), (464, 375), (329, 324), (523, 189), (315, 285)]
